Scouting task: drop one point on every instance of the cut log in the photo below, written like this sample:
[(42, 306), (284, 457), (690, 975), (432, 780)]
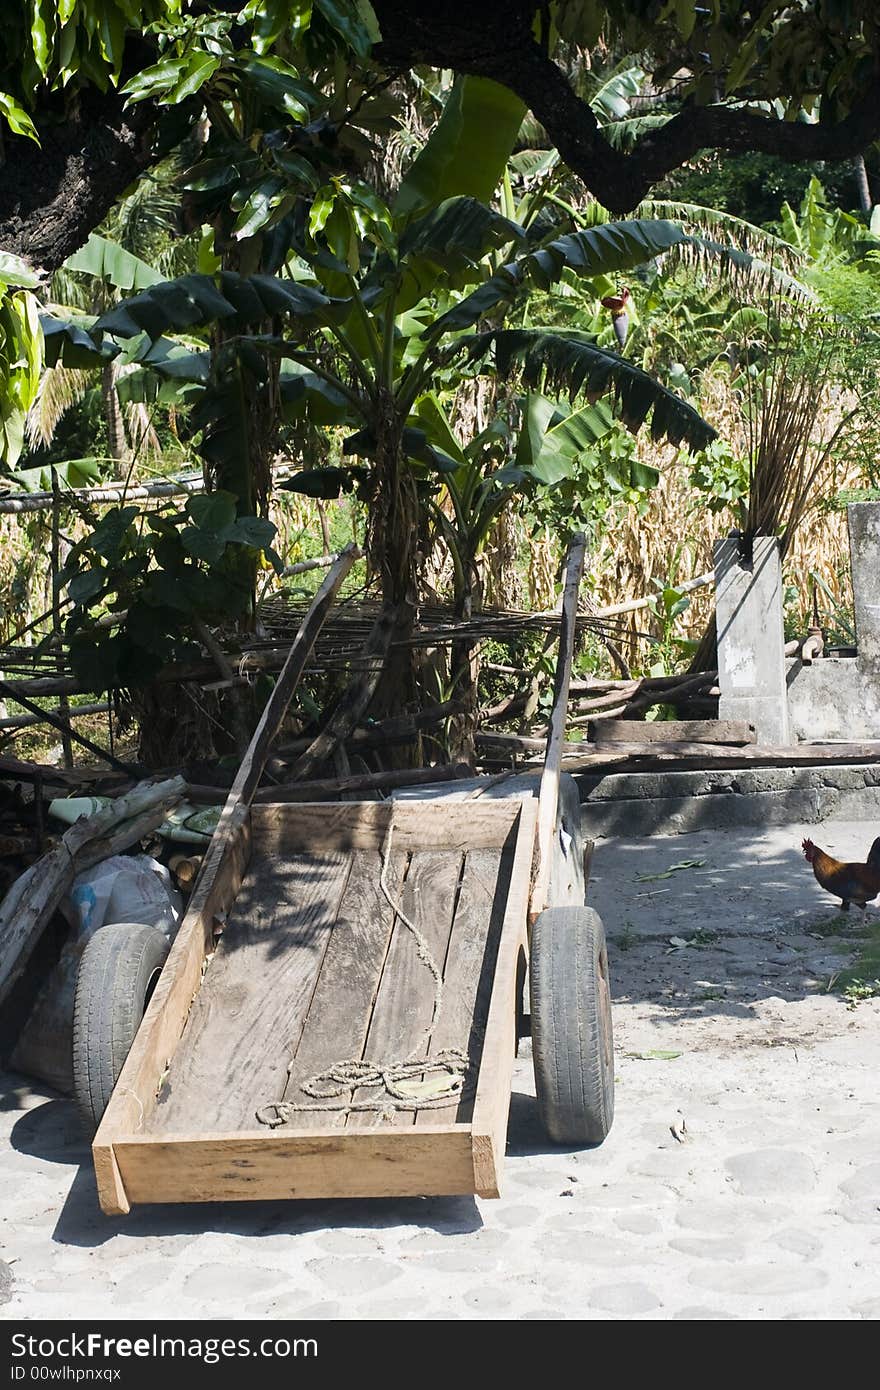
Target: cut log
[(34, 897)]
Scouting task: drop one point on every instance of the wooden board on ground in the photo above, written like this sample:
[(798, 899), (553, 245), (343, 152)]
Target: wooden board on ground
[(670, 757), (302, 973), (730, 732)]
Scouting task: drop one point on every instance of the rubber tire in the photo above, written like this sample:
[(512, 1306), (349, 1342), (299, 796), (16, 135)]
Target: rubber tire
[(116, 977), (572, 1040)]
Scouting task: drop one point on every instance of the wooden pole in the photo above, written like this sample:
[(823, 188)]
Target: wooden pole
[(63, 702)]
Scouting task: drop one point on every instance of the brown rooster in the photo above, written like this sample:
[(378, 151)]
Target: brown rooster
[(852, 883)]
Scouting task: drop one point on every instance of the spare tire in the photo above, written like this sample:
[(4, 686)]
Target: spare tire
[(116, 977)]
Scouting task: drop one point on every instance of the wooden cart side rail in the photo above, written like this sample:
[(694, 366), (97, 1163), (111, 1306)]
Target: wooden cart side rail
[(271, 1165), (548, 797), (492, 1101), (348, 825), (134, 1095)]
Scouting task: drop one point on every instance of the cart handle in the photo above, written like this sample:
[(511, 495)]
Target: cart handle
[(548, 796)]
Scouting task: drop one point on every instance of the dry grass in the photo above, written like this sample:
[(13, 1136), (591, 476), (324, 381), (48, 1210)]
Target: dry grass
[(639, 549)]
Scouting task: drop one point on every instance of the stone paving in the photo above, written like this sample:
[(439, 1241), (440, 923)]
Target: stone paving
[(741, 1179)]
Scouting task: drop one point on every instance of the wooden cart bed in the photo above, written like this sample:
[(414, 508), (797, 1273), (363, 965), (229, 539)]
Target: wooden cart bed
[(315, 967)]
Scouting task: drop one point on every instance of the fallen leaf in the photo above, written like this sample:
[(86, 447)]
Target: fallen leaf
[(673, 869), (655, 1054)]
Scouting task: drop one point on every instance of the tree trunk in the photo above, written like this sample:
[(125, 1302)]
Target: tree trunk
[(117, 443), (866, 202), (393, 556)]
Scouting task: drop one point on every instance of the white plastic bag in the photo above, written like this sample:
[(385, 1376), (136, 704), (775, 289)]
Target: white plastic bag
[(125, 888)]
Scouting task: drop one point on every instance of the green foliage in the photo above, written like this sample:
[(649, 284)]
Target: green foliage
[(68, 44), (571, 362), (468, 149), (721, 477), (107, 260), (753, 186), (160, 571), (21, 356)]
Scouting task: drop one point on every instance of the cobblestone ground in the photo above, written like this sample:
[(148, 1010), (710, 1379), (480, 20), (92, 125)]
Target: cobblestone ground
[(764, 1203)]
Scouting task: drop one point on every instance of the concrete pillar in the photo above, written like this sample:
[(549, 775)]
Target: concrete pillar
[(864, 552), (751, 643)]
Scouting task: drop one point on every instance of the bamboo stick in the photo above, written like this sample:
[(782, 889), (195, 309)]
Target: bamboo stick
[(27, 721)]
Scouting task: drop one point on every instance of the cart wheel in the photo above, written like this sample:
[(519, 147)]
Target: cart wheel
[(117, 975), (572, 1043)]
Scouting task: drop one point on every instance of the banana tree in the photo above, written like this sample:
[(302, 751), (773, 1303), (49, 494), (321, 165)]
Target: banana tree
[(372, 317)]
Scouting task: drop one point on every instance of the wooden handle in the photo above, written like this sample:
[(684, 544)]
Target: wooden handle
[(548, 797)]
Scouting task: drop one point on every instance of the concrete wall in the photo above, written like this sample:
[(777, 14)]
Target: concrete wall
[(828, 701)]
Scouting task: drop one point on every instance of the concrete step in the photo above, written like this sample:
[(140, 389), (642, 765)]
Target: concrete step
[(676, 803)]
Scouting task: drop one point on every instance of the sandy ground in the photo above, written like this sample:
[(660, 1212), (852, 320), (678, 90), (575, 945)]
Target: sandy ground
[(763, 1204)]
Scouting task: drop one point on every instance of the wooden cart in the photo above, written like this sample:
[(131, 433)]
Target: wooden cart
[(297, 1043)]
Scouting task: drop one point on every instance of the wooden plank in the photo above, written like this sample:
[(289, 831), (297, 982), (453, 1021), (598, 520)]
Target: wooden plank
[(36, 894), (731, 732), (405, 999), (272, 1164), (134, 1095), (548, 797), (249, 1012), (492, 1100), (696, 755), (341, 1008), (468, 970), (289, 829)]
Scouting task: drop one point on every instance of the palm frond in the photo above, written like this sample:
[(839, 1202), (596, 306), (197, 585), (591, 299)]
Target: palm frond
[(555, 362), (724, 227), (60, 389)]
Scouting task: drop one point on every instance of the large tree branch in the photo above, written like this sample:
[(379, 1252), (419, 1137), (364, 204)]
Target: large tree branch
[(497, 40), (52, 196)]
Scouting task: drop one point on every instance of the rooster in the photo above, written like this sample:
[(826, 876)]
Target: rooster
[(852, 883)]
